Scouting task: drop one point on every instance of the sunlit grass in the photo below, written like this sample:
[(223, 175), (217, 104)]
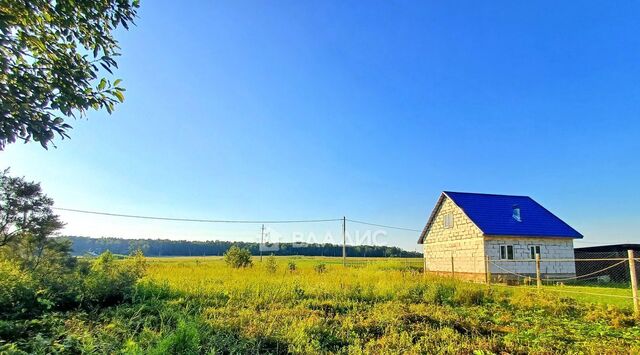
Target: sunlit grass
[(385, 306), (381, 275)]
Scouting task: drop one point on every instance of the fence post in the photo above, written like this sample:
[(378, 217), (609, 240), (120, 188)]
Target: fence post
[(538, 278), (453, 272), (634, 281), (488, 269)]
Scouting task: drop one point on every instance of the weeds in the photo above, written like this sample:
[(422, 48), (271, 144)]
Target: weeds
[(206, 307)]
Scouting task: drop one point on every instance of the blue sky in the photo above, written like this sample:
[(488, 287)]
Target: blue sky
[(258, 110)]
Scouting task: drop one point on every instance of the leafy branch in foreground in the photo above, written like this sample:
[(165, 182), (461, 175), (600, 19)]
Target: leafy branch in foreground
[(51, 52)]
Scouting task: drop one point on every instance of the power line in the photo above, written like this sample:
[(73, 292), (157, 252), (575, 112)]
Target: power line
[(197, 220), (384, 226), (230, 221), (256, 221)]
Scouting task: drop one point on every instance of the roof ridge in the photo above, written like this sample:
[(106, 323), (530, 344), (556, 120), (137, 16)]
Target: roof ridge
[(483, 193)]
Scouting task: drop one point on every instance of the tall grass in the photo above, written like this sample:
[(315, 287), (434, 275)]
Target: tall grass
[(201, 306), (381, 308)]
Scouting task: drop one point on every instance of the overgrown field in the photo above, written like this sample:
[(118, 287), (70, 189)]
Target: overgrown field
[(200, 305)]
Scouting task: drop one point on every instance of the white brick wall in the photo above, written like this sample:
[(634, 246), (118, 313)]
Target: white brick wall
[(550, 248), (464, 241)]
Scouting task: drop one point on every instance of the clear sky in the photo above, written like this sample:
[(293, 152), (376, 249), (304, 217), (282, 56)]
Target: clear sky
[(319, 109)]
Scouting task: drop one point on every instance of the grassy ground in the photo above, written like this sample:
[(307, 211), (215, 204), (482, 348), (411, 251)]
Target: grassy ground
[(201, 306), (616, 296), (376, 307), (601, 294)]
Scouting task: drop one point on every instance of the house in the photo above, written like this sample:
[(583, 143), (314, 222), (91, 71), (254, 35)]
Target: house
[(468, 234)]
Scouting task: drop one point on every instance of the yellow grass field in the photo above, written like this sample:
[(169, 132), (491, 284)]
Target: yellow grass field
[(379, 307)]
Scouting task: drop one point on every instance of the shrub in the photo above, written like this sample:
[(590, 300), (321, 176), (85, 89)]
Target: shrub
[(298, 291), (440, 293), (414, 293), (320, 268), (471, 296), (271, 264), (17, 290), (292, 266), (237, 258), (110, 281)]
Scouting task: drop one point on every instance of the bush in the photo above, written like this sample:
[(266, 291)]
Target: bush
[(237, 258), (271, 264), (440, 293), (320, 268), (414, 293), (471, 296), (17, 291), (110, 281), (291, 266)]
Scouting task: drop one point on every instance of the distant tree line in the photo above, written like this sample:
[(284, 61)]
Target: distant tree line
[(162, 247)]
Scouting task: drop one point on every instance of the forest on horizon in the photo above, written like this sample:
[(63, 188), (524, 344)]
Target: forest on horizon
[(164, 247)]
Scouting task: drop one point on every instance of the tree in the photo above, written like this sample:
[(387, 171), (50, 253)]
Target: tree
[(51, 53), (26, 222), (237, 258), (271, 264)]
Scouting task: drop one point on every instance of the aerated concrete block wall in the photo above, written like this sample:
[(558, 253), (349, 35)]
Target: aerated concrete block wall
[(559, 252), (464, 241)]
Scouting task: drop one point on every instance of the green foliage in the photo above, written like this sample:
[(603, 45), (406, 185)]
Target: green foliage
[(291, 266), (18, 291), (238, 258), (187, 306), (51, 55), (163, 247), (40, 281), (25, 212), (320, 268), (111, 282), (33, 303), (271, 266), (185, 340)]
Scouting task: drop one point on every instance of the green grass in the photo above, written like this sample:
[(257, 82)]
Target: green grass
[(620, 297), (615, 294), (199, 305), (377, 306)]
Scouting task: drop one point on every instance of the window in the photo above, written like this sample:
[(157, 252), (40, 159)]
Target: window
[(516, 213), (535, 249), (506, 252), (448, 220)]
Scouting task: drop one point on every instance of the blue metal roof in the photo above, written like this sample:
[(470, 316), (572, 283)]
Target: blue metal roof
[(493, 214)]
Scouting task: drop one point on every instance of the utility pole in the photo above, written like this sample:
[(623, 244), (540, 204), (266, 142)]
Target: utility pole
[(344, 241), (261, 242)]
